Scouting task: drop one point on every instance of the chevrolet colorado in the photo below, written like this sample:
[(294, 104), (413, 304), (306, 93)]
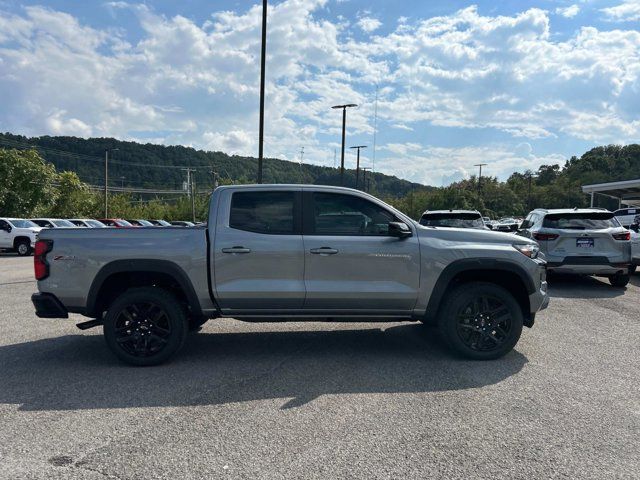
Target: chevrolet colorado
[(292, 252)]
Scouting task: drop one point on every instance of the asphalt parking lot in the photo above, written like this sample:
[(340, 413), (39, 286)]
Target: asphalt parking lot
[(322, 400)]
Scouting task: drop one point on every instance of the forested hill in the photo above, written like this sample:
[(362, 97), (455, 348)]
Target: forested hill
[(158, 166)]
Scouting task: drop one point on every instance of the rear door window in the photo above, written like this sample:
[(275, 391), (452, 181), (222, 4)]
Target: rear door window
[(581, 221), (263, 212)]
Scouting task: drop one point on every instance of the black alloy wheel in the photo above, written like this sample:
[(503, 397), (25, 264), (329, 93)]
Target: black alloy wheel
[(142, 329), (484, 323), (145, 326)]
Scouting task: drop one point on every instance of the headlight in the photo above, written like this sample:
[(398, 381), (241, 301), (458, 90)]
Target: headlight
[(529, 249)]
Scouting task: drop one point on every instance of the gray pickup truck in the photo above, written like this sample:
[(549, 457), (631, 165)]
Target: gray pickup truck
[(291, 252)]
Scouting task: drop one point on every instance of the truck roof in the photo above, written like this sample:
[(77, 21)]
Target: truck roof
[(444, 212), (571, 210)]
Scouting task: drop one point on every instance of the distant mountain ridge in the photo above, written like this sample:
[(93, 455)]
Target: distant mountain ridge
[(159, 167)]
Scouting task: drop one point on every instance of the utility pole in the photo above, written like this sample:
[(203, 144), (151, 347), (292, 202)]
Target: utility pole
[(358, 147), (191, 191), (215, 179), (106, 180), (301, 155), (263, 54), (375, 131), (480, 165), (364, 178), (344, 123)]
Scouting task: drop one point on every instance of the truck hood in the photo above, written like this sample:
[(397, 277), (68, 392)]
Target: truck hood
[(471, 235)]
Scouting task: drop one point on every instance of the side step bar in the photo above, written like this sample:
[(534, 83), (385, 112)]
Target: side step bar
[(88, 324)]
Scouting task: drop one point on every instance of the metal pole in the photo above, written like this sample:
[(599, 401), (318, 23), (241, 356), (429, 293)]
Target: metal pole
[(480, 177), (592, 199), (106, 182), (358, 147), (262, 74), (193, 200), (344, 123)]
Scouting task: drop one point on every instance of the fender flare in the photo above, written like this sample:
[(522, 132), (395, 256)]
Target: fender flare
[(142, 265), (470, 264)]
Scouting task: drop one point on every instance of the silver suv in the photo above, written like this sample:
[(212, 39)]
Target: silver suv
[(584, 241)]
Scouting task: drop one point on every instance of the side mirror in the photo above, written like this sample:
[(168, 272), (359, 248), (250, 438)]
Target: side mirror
[(489, 226), (399, 229), (7, 228), (524, 225)]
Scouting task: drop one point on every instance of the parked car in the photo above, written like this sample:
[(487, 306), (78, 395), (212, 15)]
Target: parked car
[(140, 223), (635, 247), (87, 223), (53, 223), (115, 222), (18, 235), (627, 216), (582, 241), (506, 224), (453, 219), (160, 223), (276, 255), (182, 223)]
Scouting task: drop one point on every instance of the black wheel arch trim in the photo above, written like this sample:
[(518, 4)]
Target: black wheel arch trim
[(142, 265), (470, 264)]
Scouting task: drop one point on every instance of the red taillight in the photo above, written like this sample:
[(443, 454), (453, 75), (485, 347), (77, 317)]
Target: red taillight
[(622, 236), (40, 265), (545, 236)]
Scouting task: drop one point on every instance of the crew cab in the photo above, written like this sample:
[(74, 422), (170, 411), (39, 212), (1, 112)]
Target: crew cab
[(291, 252), (19, 235)]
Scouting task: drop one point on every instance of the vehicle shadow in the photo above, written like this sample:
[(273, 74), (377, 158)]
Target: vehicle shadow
[(78, 372), (580, 286)]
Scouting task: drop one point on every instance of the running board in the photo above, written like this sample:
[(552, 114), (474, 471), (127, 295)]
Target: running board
[(88, 324)]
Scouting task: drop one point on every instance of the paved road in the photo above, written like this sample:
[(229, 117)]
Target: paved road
[(324, 400)]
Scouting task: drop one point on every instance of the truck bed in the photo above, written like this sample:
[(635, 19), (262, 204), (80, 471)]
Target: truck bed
[(78, 255)]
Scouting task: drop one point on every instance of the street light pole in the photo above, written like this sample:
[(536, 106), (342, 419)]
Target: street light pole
[(106, 180), (262, 74), (344, 123), (358, 147), (480, 165)]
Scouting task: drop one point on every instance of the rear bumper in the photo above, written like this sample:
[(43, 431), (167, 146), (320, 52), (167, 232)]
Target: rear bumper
[(48, 306), (589, 266)]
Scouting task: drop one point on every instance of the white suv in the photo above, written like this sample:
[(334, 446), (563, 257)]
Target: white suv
[(18, 234)]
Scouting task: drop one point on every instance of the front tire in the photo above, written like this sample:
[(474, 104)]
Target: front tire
[(480, 321), (23, 247), (619, 280), (145, 326)]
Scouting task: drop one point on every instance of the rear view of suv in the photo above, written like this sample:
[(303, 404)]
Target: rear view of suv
[(582, 241), (453, 219)]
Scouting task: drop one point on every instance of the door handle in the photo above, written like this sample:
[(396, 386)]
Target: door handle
[(236, 250), (324, 251)]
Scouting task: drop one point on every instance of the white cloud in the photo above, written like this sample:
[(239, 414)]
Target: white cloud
[(369, 24), (568, 12), (197, 84), (627, 11)]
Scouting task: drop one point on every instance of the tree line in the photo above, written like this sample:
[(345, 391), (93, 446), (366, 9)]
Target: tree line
[(31, 185)]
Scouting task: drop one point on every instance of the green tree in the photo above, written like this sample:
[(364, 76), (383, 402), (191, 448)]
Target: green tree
[(72, 197), (26, 183)]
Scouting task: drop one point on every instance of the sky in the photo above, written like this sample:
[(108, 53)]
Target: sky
[(514, 84)]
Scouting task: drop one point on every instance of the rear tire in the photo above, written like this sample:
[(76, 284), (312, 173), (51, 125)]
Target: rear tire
[(619, 280), (23, 247), (480, 321), (145, 326)]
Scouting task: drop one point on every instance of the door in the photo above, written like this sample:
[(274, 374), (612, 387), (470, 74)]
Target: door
[(257, 250), (6, 239), (352, 263)]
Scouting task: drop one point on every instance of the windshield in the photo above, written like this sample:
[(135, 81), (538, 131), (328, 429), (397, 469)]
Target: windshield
[(123, 223), (581, 221), (145, 223), (163, 223), (454, 220), (22, 223), (95, 224), (62, 223)]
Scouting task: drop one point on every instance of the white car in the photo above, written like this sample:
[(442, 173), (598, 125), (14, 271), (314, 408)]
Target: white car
[(87, 223), (627, 216), (18, 234), (52, 223)]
